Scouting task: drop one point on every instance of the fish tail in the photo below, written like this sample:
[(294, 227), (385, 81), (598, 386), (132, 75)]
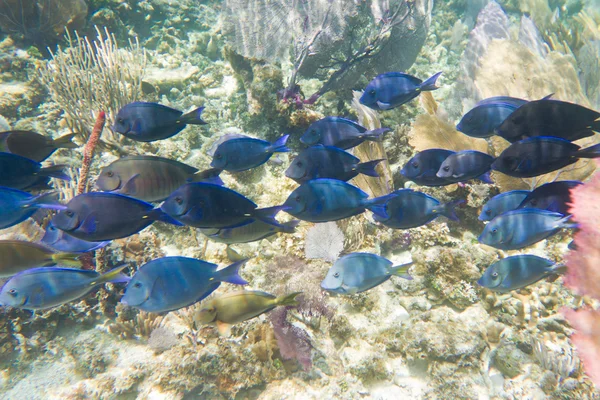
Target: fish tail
[(596, 126), (290, 226), (112, 276), (233, 255), (268, 214), (558, 269), (193, 117), (279, 146), (210, 175), (65, 142), (55, 171), (287, 300), (589, 152), (368, 168), (231, 273), (378, 206), (374, 135), (429, 84), (402, 271), (46, 200), (447, 209), (564, 223), (70, 259), (159, 215)]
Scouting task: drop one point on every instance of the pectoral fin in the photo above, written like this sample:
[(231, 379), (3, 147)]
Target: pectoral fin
[(383, 106), (223, 328)]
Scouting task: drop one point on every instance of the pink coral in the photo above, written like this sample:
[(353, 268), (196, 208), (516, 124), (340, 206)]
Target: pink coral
[(587, 340)]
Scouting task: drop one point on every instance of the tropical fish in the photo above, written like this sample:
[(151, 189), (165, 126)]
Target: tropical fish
[(423, 167), (147, 122), (539, 155), (16, 206), (204, 205), (550, 118), (171, 283), (339, 132), (518, 271), (482, 120), (32, 145), (250, 231), (241, 154), (553, 196), (357, 272), (466, 165), (502, 203), (322, 200), (151, 178), (20, 173), (47, 287), (17, 256), (393, 89), (231, 308), (97, 216), (61, 241), (410, 209), (328, 162), (520, 228)]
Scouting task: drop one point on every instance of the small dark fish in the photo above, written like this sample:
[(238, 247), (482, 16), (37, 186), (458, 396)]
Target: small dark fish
[(21, 173), (518, 271), (41, 288), (147, 122), (204, 205), (502, 203), (466, 165), (171, 283), (241, 154), (151, 178), (339, 132), (410, 209), (392, 89), (553, 196), (517, 229), (328, 162), (358, 272), (539, 155), (250, 231), (487, 115), (17, 256), (32, 145), (97, 216), (423, 167), (61, 241), (16, 206), (550, 118), (322, 200)]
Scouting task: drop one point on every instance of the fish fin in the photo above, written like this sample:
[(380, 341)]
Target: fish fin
[(564, 223), (383, 106), (230, 273), (486, 178), (64, 142), (136, 127), (378, 206), (595, 126), (112, 276), (290, 226), (210, 175), (368, 168), (589, 152), (70, 259), (233, 255), (287, 300), (89, 223), (402, 271), (374, 135), (547, 97), (447, 209), (268, 214), (129, 186), (159, 215), (429, 84), (55, 171), (223, 328), (46, 200), (279, 146), (193, 117), (558, 269)]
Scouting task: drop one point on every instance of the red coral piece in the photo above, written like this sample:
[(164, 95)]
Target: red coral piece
[(88, 152)]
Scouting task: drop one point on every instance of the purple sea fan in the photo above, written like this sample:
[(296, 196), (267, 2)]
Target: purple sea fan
[(293, 342)]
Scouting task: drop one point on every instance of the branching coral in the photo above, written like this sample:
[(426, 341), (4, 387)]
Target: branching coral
[(131, 325), (293, 342)]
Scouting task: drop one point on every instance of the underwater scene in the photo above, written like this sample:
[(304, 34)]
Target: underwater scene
[(299, 199)]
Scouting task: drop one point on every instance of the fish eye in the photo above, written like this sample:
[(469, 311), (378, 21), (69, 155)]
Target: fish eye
[(137, 285), (298, 198), (178, 200), (488, 212), (533, 202), (299, 163), (372, 92), (13, 292), (495, 230), (415, 164), (110, 174), (69, 213), (218, 156), (120, 120), (494, 274), (336, 275), (446, 168)]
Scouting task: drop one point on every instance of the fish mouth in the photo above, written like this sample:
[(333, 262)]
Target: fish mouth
[(480, 239)]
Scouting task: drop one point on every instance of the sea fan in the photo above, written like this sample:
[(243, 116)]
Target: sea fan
[(324, 241)]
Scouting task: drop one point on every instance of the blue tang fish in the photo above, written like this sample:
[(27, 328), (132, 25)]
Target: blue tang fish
[(241, 154), (61, 241), (171, 283), (487, 115), (466, 165), (328, 162), (21, 173), (16, 206), (392, 89), (32, 145), (339, 132), (204, 205), (250, 231), (357, 272), (517, 229), (518, 271), (97, 216), (423, 167), (539, 155), (322, 200), (410, 209), (502, 203), (553, 196), (147, 122), (41, 288)]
